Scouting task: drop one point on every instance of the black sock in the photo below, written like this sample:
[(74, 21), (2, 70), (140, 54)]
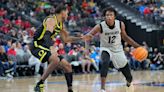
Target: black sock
[(40, 82), (127, 73), (69, 77), (70, 90)]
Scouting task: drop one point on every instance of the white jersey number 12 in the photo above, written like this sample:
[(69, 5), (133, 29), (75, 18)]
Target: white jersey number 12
[(112, 39)]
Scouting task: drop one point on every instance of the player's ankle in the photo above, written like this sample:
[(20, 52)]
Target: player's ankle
[(70, 90), (128, 84), (40, 82), (102, 88)]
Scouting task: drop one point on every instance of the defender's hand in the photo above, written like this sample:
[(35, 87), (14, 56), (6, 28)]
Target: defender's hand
[(86, 38), (53, 50)]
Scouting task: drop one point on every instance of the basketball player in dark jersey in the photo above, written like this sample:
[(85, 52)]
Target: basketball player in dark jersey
[(42, 46)]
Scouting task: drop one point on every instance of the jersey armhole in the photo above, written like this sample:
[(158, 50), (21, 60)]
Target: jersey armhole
[(101, 31)]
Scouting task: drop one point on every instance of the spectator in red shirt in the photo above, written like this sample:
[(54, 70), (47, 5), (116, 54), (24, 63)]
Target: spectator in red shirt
[(26, 24), (4, 29), (31, 31), (6, 21), (19, 21), (84, 4), (61, 50), (147, 11), (11, 50), (58, 41), (2, 12)]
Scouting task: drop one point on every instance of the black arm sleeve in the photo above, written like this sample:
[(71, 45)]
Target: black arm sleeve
[(47, 39)]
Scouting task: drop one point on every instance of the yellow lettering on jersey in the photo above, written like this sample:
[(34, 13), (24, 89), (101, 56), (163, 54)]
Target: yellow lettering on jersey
[(42, 54)]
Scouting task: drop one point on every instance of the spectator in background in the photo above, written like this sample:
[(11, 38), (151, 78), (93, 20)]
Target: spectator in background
[(85, 60), (19, 50), (8, 45), (12, 17), (68, 47), (145, 45), (27, 24), (11, 50), (2, 12), (35, 61), (19, 21), (157, 60), (147, 11), (6, 21), (4, 29), (95, 56), (7, 64), (1, 69), (19, 53), (14, 34), (61, 50), (135, 65), (26, 38), (72, 21), (73, 51), (12, 53)]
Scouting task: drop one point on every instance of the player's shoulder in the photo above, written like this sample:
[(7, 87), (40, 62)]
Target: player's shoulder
[(48, 18), (102, 22)]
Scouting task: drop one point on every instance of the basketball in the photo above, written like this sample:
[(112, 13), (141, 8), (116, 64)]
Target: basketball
[(140, 54)]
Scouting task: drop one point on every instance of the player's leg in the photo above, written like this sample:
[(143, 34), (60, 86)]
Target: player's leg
[(127, 73), (53, 59), (120, 61), (105, 57), (68, 72)]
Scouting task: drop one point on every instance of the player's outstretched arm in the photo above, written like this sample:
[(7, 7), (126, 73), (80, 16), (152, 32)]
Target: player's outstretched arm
[(67, 38), (94, 31), (126, 38)]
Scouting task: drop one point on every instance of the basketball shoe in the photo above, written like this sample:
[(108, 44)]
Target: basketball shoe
[(39, 87)]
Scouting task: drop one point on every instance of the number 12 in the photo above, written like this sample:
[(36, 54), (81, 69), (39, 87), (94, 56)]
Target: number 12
[(112, 39)]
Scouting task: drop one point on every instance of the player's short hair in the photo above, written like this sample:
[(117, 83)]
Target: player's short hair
[(109, 9), (60, 8)]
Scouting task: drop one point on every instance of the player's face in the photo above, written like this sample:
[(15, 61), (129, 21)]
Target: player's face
[(110, 16), (65, 15)]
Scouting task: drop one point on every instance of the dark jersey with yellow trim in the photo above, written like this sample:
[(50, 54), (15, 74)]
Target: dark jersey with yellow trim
[(39, 34)]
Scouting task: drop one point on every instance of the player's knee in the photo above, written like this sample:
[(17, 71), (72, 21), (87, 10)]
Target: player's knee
[(54, 58), (66, 66), (105, 57)]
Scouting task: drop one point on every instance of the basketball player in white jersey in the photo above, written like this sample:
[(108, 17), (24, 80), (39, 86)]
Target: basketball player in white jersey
[(111, 31)]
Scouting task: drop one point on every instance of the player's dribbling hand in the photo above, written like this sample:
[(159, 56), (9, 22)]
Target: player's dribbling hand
[(86, 38)]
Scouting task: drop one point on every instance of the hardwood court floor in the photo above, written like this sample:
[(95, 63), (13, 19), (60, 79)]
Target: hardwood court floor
[(144, 81)]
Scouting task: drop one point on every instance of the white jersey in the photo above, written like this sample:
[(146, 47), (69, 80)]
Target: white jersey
[(110, 41), (111, 38)]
